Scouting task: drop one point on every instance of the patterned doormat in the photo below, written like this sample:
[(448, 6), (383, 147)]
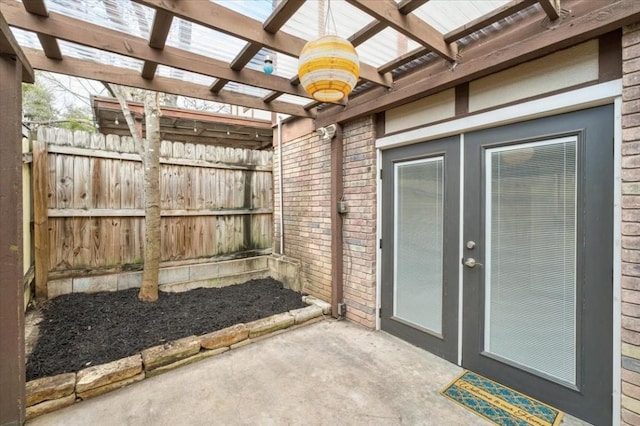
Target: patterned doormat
[(499, 404)]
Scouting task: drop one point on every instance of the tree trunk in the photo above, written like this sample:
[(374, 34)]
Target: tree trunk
[(149, 289)]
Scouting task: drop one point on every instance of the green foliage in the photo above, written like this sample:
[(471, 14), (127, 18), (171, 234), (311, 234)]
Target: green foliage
[(77, 118), (37, 103), (38, 108)]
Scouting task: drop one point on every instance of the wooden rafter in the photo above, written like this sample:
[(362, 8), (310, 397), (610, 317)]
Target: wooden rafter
[(494, 16), (408, 6), (125, 77), (66, 28), (551, 8), (413, 27), (366, 32), (220, 18), (49, 44), (281, 14), (533, 41), (158, 38), (9, 46), (403, 59), (273, 23)]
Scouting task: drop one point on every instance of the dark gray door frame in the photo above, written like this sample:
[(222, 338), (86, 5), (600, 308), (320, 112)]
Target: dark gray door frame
[(594, 130)]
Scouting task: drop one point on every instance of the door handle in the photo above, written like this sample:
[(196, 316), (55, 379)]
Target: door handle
[(470, 262)]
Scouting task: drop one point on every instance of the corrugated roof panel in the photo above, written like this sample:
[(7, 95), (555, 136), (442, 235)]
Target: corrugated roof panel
[(121, 15), (447, 15), (309, 21), (384, 47), (204, 41), (255, 9), (192, 77), (293, 99), (95, 55), (26, 38)]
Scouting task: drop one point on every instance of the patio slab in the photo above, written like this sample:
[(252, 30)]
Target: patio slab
[(327, 373)]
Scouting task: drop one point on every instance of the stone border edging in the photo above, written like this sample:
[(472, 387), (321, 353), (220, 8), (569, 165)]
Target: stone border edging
[(48, 394)]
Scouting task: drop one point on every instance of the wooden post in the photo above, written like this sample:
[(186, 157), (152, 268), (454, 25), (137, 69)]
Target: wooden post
[(12, 372), (40, 218), (337, 260)]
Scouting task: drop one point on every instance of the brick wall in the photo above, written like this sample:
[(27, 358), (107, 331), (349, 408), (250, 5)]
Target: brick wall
[(359, 226), (307, 215), (631, 226), (306, 169)]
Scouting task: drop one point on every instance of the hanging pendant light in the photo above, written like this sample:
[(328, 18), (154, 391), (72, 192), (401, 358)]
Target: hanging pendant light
[(328, 67)]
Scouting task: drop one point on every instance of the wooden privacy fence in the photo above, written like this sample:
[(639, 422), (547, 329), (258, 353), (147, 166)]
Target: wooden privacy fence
[(89, 202)]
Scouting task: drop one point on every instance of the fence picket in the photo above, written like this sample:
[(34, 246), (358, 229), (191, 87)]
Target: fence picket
[(205, 194)]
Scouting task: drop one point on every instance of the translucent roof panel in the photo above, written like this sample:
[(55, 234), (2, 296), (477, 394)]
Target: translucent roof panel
[(26, 38), (298, 100), (203, 41), (245, 89), (121, 15), (384, 47), (447, 15), (283, 65), (192, 77), (95, 55), (309, 21), (255, 9)]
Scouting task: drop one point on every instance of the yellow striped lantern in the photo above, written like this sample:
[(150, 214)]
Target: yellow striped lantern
[(328, 68)]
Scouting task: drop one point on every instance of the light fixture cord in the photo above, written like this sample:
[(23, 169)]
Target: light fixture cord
[(329, 20)]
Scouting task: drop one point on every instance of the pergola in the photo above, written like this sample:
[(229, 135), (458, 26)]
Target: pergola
[(502, 35)]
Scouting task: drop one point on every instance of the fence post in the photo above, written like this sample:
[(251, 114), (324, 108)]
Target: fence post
[(40, 216)]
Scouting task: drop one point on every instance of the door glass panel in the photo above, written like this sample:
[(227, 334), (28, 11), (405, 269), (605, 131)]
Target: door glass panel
[(530, 266), (419, 205)]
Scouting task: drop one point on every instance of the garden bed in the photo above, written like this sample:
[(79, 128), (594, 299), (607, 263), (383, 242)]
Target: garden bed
[(80, 330), (107, 328)]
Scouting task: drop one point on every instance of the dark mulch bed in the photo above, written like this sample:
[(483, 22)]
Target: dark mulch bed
[(79, 330)]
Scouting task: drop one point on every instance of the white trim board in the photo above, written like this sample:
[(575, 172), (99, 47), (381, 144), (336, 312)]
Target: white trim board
[(586, 97)]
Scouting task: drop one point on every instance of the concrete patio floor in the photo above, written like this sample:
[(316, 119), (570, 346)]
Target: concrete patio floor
[(327, 373)]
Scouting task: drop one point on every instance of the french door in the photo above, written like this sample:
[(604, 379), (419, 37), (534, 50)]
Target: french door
[(420, 236), (535, 255)]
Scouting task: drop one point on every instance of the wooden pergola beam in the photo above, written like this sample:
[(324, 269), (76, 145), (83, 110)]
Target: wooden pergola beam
[(157, 40), (66, 28), (403, 59), (366, 32), (126, 77), (220, 18), (551, 8), (483, 21), (281, 14), (413, 27), (586, 22), (408, 6), (10, 47), (48, 43)]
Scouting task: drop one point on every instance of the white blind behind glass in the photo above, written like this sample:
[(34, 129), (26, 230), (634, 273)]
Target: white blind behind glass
[(418, 235), (531, 256)]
